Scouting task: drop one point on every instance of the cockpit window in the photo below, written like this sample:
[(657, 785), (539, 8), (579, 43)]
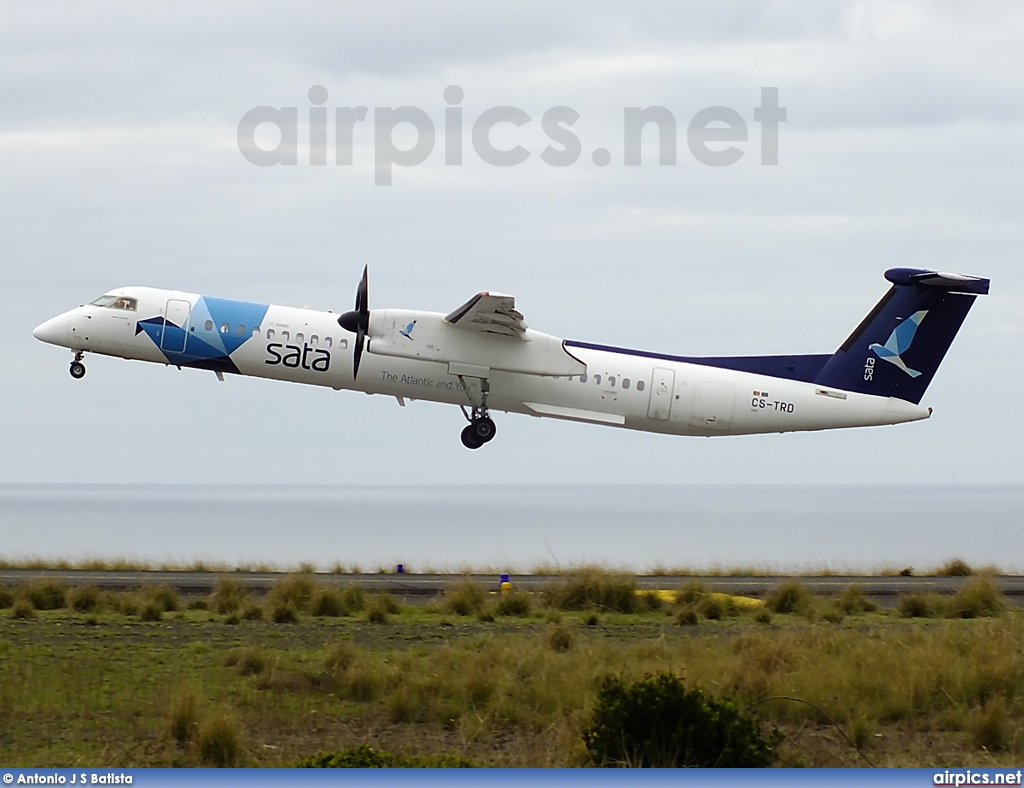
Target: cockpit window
[(117, 302)]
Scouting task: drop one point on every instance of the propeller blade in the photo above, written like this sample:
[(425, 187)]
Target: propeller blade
[(358, 321), (358, 353), (362, 295)]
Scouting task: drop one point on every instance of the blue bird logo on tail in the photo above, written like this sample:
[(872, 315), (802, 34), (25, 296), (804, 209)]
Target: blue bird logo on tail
[(899, 342), (405, 332)]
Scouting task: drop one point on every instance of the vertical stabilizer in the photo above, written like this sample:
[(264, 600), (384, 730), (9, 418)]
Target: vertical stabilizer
[(896, 349)]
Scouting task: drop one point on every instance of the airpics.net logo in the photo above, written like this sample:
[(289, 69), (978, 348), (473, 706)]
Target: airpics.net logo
[(710, 134)]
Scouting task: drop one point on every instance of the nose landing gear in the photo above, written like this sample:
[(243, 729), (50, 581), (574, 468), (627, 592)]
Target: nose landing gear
[(480, 429), (77, 367)]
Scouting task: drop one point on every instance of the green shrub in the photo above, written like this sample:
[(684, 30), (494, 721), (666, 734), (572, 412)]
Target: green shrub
[(715, 607), (228, 595), (658, 722), (6, 598), (595, 589), (852, 600), (248, 660), (198, 604), (691, 593), (382, 606), (152, 611), (231, 619), (284, 612), (366, 757), (353, 599), (23, 610), (85, 599), (252, 612), (956, 567), (650, 600), (990, 728), (340, 656), (164, 597), (464, 598), (920, 605), (183, 717), (763, 615), (979, 597), (219, 741), (515, 604), (46, 595), (296, 590), (687, 616), (790, 596), (326, 602), (561, 639)]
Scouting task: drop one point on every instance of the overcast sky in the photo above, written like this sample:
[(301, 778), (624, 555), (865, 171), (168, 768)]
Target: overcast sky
[(903, 146)]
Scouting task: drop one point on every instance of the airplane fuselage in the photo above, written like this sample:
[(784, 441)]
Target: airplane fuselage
[(623, 388)]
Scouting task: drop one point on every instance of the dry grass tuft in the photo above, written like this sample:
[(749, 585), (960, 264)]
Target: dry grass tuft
[(219, 741)]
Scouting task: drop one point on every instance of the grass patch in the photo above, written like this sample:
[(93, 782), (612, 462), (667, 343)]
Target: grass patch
[(465, 598), (789, 596), (45, 595), (955, 567), (596, 589), (219, 741), (229, 595), (515, 603), (295, 591)]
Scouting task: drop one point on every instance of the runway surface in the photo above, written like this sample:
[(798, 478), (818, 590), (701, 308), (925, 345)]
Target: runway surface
[(885, 590)]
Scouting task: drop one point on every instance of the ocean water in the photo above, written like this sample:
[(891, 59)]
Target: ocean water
[(517, 528)]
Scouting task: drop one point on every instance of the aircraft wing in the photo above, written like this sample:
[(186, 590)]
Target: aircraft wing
[(491, 313)]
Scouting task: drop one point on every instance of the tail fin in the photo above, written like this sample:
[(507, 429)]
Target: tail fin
[(896, 349)]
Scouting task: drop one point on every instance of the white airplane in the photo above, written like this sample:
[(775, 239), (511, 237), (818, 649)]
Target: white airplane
[(483, 357)]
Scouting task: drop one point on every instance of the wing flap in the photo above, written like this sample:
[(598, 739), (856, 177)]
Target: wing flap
[(490, 313)]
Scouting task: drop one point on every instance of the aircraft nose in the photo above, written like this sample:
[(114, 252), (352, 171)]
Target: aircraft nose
[(53, 331)]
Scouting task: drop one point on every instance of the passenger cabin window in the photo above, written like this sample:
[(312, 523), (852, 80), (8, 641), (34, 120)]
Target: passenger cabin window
[(327, 341), (298, 337), (611, 381), (625, 383), (583, 378), (285, 336), (209, 325), (270, 333), (241, 330), (343, 344), (224, 328), (313, 340), (639, 385), (117, 302), (597, 379), (255, 329)]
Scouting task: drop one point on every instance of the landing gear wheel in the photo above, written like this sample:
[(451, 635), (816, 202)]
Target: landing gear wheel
[(470, 439), (77, 370), (483, 428)]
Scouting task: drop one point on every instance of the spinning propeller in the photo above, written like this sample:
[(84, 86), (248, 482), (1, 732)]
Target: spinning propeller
[(358, 322)]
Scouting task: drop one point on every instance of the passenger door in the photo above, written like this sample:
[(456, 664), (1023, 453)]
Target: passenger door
[(662, 384), (172, 340)]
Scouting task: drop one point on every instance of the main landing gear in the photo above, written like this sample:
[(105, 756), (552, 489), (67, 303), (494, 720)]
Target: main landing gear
[(77, 367), (480, 429)]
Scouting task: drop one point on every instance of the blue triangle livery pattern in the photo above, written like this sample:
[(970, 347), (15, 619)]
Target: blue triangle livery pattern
[(231, 326)]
